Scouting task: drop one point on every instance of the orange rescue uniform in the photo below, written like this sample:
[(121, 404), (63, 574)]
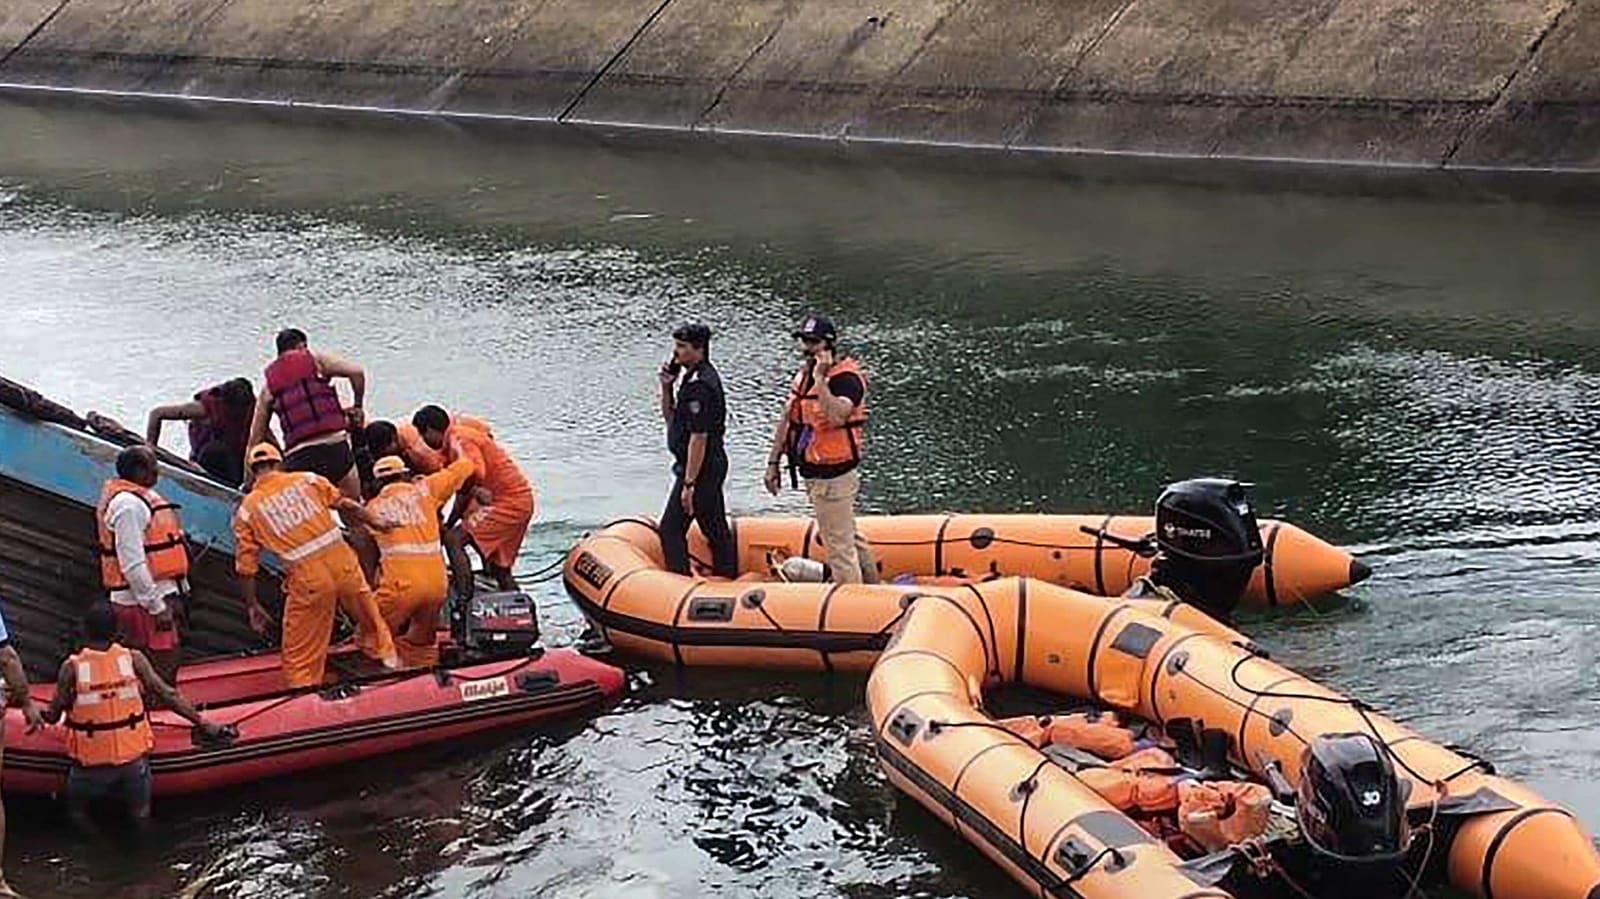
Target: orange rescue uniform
[(291, 514), (496, 529), (423, 458), (413, 581)]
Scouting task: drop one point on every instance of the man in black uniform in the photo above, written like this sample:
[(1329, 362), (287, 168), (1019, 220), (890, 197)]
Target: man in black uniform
[(696, 419)]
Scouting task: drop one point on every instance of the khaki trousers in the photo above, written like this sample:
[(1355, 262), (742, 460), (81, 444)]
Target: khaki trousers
[(833, 504)]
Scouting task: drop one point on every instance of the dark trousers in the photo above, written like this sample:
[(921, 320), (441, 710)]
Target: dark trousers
[(709, 510)]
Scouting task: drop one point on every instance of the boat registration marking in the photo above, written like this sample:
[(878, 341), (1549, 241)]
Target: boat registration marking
[(472, 691)]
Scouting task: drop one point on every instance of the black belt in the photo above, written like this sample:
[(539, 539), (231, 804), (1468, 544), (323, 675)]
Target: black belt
[(90, 727)]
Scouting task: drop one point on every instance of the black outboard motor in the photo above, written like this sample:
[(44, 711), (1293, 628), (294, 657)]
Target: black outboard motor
[(1351, 804), (491, 625), (1208, 543)]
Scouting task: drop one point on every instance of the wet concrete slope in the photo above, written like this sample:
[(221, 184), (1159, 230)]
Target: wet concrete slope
[(1492, 83)]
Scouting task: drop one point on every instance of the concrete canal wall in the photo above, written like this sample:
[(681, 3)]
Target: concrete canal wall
[(1470, 83)]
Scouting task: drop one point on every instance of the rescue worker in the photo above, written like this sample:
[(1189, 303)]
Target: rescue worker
[(500, 501), (386, 438), (413, 583), (291, 514), (101, 689), (16, 687), (299, 389), (219, 427), (823, 432), (696, 418), (144, 559)]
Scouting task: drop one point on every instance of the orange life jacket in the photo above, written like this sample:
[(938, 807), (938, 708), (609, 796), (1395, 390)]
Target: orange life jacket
[(165, 548), (1223, 813), (815, 439), (106, 724)]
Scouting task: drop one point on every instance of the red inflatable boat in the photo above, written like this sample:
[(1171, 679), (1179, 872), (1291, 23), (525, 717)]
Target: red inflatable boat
[(281, 732)]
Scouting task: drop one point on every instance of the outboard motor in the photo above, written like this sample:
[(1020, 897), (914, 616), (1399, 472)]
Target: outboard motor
[(494, 625), (1208, 543), (1352, 807)]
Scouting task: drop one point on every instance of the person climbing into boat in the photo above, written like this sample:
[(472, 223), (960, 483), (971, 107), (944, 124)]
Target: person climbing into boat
[(101, 690), (822, 431), (315, 425), (219, 427), (291, 514), (695, 410), (500, 502), (144, 559), (413, 583), (15, 681), (1207, 546)]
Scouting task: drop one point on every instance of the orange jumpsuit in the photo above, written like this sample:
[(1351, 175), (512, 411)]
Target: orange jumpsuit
[(423, 458), (413, 582), (496, 529), (291, 514)]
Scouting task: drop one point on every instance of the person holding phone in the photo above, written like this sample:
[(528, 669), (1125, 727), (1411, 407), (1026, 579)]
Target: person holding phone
[(823, 432), (695, 411)]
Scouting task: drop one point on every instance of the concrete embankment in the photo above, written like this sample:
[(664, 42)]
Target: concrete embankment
[(1488, 83)]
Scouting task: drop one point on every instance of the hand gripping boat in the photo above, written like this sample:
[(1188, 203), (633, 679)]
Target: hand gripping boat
[(285, 731), (935, 649)]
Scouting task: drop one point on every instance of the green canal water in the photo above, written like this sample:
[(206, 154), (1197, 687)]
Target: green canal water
[(1417, 378)]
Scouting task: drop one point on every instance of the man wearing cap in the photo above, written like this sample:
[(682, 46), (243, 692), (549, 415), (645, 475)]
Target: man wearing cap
[(291, 514), (696, 418), (412, 581), (823, 433)]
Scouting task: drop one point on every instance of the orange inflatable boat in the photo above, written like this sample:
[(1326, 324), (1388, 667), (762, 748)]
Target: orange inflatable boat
[(1092, 553), (935, 650)]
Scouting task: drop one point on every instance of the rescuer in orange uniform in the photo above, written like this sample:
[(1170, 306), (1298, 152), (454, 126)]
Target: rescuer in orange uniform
[(101, 689), (291, 514), (388, 438), (412, 581), (501, 501), (823, 432), (144, 559)]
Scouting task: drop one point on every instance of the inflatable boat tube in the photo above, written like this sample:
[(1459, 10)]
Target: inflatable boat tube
[(282, 732), (617, 579), (1056, 837), (934, 650), (1084, 552)]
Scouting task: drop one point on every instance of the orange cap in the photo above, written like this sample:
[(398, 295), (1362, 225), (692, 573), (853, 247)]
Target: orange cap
[(388, 467), (264, 452)]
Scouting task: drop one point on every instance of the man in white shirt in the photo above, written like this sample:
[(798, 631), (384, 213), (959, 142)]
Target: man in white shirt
[(144, 560)]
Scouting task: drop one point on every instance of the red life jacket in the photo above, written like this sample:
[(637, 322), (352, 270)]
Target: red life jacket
[(306, 403), (221, 423)]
